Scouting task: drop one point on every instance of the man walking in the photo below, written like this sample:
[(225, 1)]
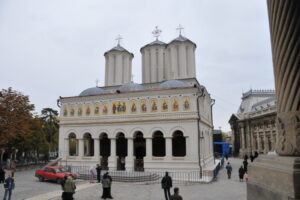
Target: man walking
[(166, 184), (2, 175), (98, 169), (9, 185), (229, 170), (176, 195), (69, 188)]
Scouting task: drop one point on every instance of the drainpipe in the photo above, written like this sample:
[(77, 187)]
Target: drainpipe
[(199, 94)]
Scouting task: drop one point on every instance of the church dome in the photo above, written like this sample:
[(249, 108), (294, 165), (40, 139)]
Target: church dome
[(173, 84), (92, 91), (118, 48), (156, 42), (181, 38), (131, 87)]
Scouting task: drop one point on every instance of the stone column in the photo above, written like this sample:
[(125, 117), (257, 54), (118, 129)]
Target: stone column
[(80, 147), (248, 138), (168, 147), (259, 147), (278, 177), (66, 150), (97, 149), (112, 159), (233, 138), (242, 143), (129, 160), (148, 149)]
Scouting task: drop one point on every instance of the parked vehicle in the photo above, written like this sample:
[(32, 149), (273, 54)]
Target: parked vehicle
[(53, 173)]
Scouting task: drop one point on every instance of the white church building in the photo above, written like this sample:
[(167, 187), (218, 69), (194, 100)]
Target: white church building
[(164, 123)]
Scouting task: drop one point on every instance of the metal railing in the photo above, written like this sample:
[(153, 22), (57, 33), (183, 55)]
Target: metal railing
[(149, 176), (219, 166)]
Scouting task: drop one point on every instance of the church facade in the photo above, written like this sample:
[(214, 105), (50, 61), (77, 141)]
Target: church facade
[(164, 123), (253, 126)]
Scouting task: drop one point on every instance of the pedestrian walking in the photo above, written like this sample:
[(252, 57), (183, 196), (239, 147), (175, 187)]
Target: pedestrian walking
[(2, 175), (241, 173), (252, 157), (106, 185), (226, 156), (166, 184), (92, 174), (245, 163), (98, 170), (245, 157), (255, 154), (176, 195), (9, 185), (63, 195), (69, 188), (246, 177), (229, 170)]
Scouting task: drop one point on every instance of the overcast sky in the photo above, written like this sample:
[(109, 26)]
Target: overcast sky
[(52, 48)]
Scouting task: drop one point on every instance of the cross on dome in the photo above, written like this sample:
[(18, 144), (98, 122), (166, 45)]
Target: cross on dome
[(156, 33), (179, 28), (119, 38)]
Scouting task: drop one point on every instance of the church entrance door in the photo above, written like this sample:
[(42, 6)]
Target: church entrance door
[(121, 151), (104, 150), (139, 144)]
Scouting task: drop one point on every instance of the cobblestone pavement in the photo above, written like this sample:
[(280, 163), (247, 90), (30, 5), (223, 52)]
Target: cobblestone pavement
[(27, 186)]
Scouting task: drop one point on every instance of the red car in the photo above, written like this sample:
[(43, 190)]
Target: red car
[(53, 173)]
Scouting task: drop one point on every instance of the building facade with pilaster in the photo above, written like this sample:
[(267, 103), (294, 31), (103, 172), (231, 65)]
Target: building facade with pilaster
[(253, 126)]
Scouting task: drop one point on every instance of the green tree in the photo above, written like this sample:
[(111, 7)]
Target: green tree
[(50, 127)]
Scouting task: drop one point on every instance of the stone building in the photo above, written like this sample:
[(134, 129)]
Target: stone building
[(253, 126), (163, 123)]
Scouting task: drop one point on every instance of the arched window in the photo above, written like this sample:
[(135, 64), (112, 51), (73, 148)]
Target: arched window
[(139, 143), (178, 144), (158, 144), (121, 145), (73, 145), (104, 145), (88, 145)]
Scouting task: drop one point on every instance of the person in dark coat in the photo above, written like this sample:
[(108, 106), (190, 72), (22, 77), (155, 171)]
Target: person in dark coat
[(166, 184), (9, 185), (63, 195), (229, 170), (246, 157), (252, 157), (245, 163), (98, 169), (226, 156), (176, 195), (106, 185), (241, 173), (2, 175), (255, 154)]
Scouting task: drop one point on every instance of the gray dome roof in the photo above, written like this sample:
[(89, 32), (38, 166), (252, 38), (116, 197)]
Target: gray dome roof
[(92, 91), (180, 38), (156, 42), (131, 87), (172, 84), (118, 48)]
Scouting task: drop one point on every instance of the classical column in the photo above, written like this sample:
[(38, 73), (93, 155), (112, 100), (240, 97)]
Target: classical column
[(97, 149), (112, 159), (233, 138), (278, 177), (242, 143), (148, 149), (66, 150), (168, 147), (80, 147), (248, 138), (259, 147), (129, 160)]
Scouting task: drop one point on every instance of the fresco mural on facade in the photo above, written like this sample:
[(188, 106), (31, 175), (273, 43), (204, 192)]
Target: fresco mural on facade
[(96, 110), (79, 112), (164, 105), (154, 105), (186, 103), (143, 106), (175, 104), (65, 111), (133, 107), (72, 111), (119, 107), (87, 111), (105, 109)]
